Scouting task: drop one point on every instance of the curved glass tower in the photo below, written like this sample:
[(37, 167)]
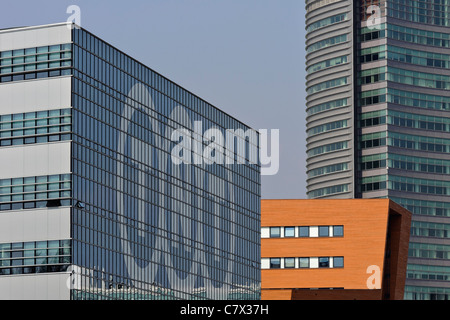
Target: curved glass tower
[(378, 117)]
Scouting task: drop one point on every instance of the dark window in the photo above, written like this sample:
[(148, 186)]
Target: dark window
[(338, 231), (324, 262), (338, 262), (303, 231), (275, 263), (324, 231), (53, 203)]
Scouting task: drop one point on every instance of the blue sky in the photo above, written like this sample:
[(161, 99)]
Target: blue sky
[(246, 57)]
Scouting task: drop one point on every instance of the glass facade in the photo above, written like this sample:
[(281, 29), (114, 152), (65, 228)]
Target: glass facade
[(407, 59), (399, 140), (147, 227)]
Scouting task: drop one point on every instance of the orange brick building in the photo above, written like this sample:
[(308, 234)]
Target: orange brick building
[(333, 249)]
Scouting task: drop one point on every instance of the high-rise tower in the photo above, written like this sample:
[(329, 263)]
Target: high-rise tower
[(378, 118)]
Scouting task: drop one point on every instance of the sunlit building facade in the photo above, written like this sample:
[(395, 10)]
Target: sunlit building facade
[(95, 203), (316, 249)]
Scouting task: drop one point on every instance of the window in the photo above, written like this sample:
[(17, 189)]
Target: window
[(324, 231), (303, 262), (324, 262), (338, 231), (327, 85), (327, 127), (328, 190), (327, 43), (289, 232), (35, 192), (289, 263), (303, 231), (275, 263), (338, 262), (27, 65), (35, 127), (275, 232), (327, 106), (35, 257)]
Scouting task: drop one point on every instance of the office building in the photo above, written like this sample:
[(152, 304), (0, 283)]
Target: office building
[(317, 250), (98, 197), (378, 118)]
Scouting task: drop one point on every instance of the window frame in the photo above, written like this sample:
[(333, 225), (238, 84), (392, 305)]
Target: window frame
[(334, 262), (272, 264), (328, 263), (300, 231), (272, 229), (293, 230), (327, 228), (289, 258), (334, 232), (300, 263)]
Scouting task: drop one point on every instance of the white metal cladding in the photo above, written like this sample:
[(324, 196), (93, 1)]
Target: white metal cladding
[(37, 36), (34, 225), (35, 160), (48, 286), (35, 95)]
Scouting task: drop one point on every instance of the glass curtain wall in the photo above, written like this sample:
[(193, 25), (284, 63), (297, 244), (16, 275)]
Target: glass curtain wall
[(144, 226)]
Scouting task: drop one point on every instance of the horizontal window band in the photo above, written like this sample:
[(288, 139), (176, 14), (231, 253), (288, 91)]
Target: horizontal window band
[(35, 75), (321, 262), (35, 192), (328, 191), (35, 139), (35, 257), (327, 231), (36, 66), (49, 203), (38, 131), (35, 51)]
